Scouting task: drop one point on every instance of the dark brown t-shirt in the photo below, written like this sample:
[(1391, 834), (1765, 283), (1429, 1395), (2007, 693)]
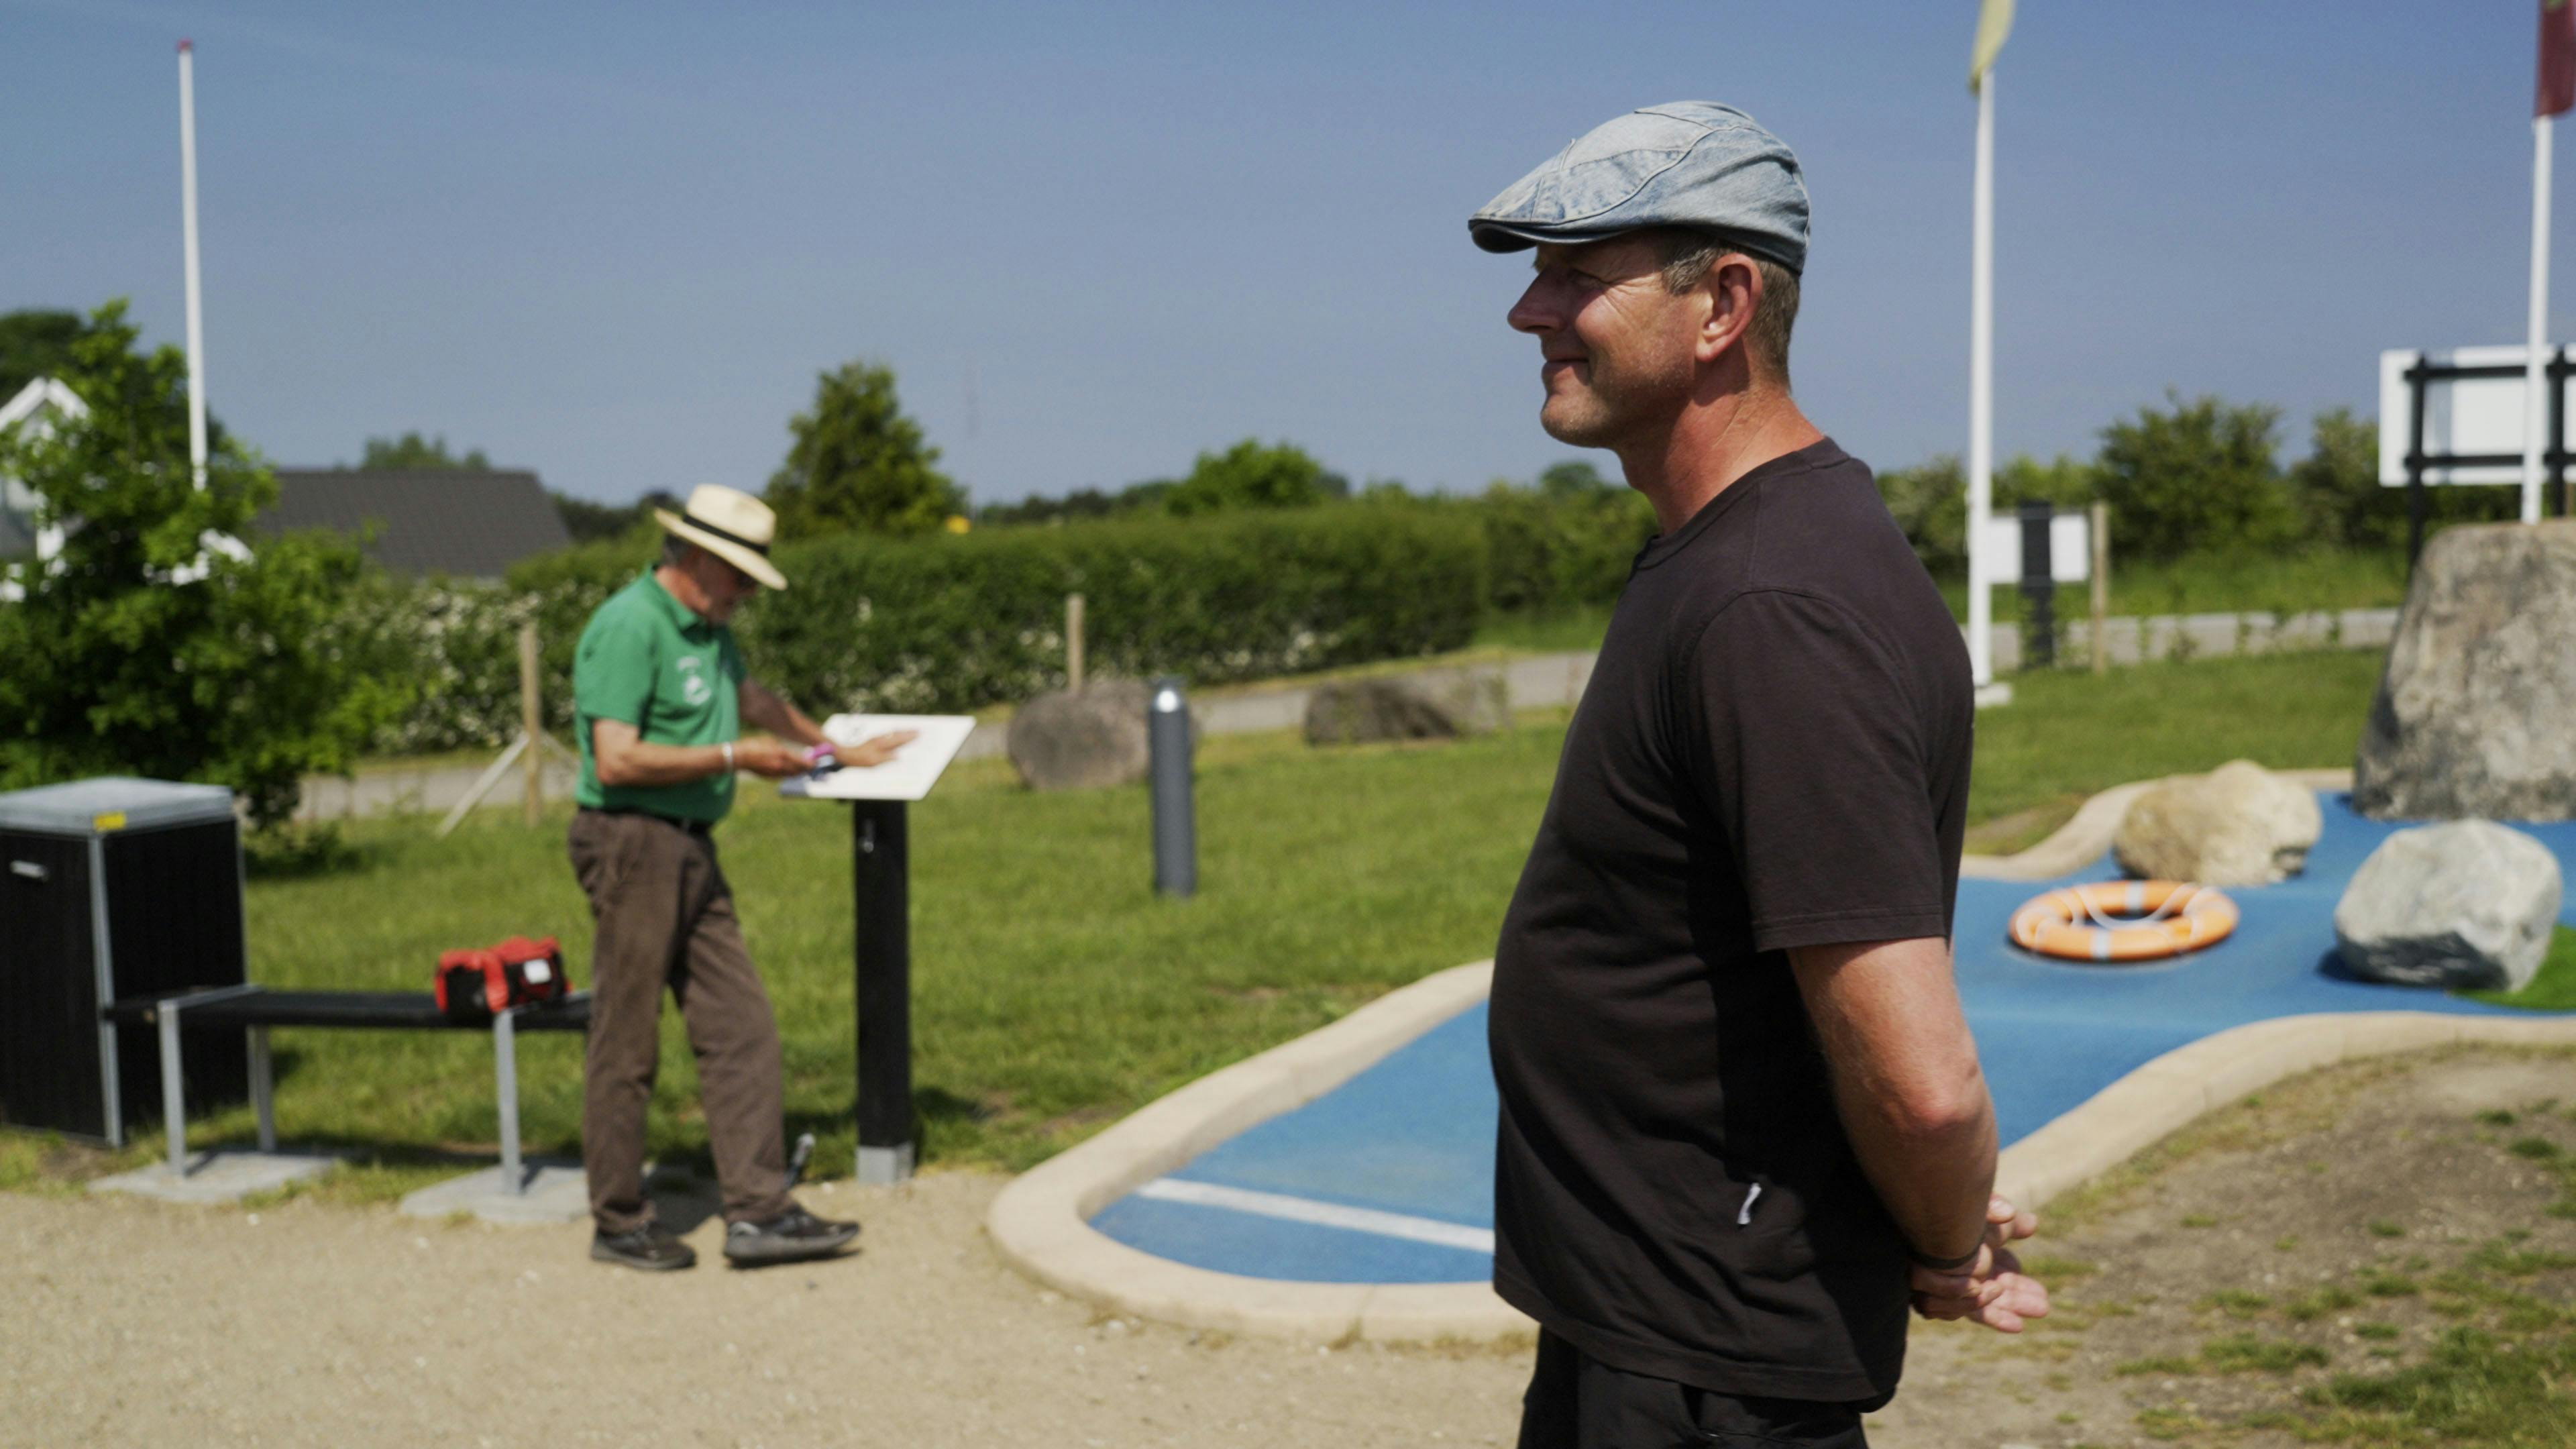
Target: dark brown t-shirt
[(1772, 752)]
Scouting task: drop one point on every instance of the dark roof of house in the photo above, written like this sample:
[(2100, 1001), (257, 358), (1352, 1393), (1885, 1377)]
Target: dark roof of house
[(431, 521)]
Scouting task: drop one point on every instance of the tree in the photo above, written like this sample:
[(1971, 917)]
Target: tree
[(1929, 502), (154, 642), (39, 343), (589, 522), (1249, 475), (413, 453), (35, 344), (1573, 479), (2340, 499), (858, 464), (2198, 476)]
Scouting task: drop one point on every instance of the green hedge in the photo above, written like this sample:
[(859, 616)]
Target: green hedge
[(959, 621), (949, 622), (1552, 554)]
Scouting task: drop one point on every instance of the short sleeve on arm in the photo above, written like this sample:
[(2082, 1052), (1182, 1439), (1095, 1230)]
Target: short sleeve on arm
[(1808, 749), (612, 671)]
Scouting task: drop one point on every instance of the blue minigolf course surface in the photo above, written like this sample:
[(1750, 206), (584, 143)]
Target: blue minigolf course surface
[(1414, 1134)]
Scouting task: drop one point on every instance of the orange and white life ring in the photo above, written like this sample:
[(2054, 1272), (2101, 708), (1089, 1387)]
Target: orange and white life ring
[(2124, 920)]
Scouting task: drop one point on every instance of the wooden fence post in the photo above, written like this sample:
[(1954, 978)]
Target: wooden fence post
[(2101, 532), (532, 722), (1073, 643)]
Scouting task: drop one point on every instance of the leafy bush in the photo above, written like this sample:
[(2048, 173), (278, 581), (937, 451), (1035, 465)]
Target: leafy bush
[(454, 645), (1930, 501), (1251, 475), (955, 622), (2339, 498), (2197, 477), (962, 621), (1560, 545), (154, 642)]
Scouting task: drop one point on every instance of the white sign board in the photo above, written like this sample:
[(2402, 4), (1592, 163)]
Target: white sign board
[(908, 776), (2070, 547), (2467, 415)]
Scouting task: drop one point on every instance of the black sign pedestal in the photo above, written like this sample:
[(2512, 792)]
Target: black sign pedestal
[(880, 893), (881, 903)]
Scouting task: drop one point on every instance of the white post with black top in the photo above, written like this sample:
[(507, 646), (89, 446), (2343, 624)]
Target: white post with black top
[(881, 907)]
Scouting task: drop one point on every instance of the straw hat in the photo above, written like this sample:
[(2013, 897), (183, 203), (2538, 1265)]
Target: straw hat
[(732, 525)]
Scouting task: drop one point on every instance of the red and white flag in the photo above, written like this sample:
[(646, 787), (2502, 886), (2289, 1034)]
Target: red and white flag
[(2557, 58)]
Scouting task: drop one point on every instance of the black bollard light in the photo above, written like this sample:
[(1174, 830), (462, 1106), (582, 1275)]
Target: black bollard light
[(2038, 585), (1167, 745)]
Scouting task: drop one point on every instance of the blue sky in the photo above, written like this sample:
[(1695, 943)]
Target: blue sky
[(616, 243)]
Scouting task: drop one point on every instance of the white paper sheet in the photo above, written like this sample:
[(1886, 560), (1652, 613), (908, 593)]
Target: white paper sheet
[(908, 776)]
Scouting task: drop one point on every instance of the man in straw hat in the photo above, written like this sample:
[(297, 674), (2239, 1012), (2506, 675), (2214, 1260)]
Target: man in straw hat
[(1742, 1118), (659, 700)]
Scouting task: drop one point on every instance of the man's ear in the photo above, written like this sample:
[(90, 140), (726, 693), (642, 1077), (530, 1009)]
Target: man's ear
[(1734, 290)]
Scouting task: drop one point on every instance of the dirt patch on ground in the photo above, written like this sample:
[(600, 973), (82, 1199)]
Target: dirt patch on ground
[(139, 1323), (2333, 1229)]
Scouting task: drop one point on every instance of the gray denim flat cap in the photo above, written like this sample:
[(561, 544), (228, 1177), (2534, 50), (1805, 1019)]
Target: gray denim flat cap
[(1689, 163)]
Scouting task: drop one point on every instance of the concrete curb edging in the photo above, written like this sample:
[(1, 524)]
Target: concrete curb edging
[(2158, 1099), (1041, 1222)]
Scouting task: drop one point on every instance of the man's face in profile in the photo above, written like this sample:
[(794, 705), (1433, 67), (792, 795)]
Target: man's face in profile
[(724, 585), (1616, 346)]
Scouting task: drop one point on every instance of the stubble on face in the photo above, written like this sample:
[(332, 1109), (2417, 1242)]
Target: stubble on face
[(1616, 343)]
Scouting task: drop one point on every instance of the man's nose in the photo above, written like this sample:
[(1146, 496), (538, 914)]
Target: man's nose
[(1534, 312)]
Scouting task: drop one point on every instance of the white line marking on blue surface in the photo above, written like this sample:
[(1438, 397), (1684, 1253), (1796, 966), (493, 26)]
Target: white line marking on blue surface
[(1325, 1214)]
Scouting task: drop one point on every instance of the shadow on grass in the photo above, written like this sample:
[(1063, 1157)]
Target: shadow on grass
[(304, 851)]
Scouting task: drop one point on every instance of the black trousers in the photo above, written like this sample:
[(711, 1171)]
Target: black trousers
[(1576, 1402)]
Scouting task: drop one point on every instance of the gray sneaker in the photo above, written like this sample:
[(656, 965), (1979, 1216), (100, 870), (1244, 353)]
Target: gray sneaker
[(649, 1248), (793, 1236)]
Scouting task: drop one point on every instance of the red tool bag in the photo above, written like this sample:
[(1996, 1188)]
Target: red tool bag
[(474, 984)]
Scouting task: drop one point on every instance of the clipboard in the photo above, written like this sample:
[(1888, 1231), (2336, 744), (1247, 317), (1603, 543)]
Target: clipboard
[(908, 776)]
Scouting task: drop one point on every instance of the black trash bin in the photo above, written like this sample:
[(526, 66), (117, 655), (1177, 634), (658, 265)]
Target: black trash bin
[(113, 888)]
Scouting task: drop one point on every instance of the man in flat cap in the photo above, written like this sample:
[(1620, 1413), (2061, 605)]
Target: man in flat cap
[(1742, 1117), (659, 699)]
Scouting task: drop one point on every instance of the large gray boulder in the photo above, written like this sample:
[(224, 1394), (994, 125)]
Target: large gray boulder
[(2467, 903), (1407, 707), (1066, 741), (2473, 718), (2238, 825)]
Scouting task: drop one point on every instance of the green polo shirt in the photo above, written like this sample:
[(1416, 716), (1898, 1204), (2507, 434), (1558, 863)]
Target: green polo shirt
[(646, 660)]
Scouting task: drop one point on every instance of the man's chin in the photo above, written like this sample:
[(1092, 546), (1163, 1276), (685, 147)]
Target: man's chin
[(1574, 430)]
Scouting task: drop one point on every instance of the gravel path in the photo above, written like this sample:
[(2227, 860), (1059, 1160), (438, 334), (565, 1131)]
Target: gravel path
[(132, 1322), (125, 1321)]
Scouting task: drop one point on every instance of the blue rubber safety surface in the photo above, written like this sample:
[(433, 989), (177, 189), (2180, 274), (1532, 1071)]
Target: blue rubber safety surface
[(1414, 1134)]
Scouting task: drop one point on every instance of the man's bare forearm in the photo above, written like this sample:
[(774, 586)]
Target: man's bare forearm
[(638, 763), (1906, 1083)]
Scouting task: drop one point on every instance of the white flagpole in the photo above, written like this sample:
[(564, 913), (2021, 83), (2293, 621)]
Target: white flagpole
[(188, 233), (1981, 395), (2535, 389)]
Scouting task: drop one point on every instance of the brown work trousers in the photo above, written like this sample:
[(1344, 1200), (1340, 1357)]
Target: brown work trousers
[(665, 918)]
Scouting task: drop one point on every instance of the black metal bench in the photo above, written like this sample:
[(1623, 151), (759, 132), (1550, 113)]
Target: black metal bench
[(256, 1009)]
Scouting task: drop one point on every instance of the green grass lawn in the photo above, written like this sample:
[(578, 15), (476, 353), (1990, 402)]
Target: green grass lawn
[(2224, 583), (2552, 988), (2212, 583), (2069, 733), (1053, 993)]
